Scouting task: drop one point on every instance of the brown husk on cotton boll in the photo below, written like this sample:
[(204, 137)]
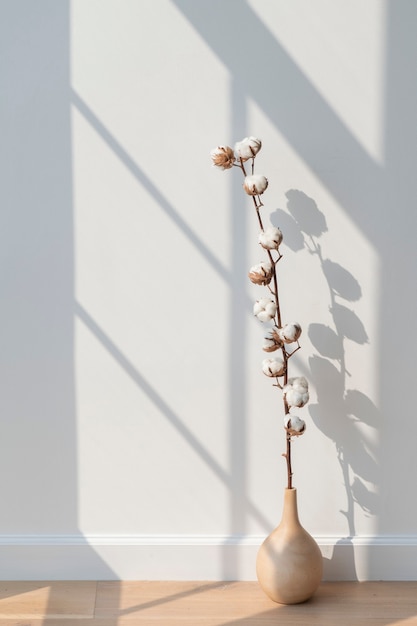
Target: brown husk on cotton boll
[(290, 332), (255, 185), (223, 157), (248, 148), (296, 391), (271, 341), (273, 367), (261, 274), (264, 309), (270, 238), (294, 425)]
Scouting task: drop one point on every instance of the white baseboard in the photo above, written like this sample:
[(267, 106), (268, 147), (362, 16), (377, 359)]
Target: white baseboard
[(205, 557)]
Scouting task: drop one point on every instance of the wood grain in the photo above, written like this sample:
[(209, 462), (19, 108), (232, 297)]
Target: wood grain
[(27, 600), (202, 604)]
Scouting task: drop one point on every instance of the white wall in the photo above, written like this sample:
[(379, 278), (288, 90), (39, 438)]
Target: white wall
[(139, 436)]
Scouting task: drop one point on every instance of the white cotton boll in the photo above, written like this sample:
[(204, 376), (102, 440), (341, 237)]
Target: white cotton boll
[(296, 398), (270, 238), (269, 345), (290, 332), (272, 342), (296, 391), (294, 425), (273, 367), (297, 382), (255, 185), (261, 274), (223, 157), (248, 148), (264, 309)]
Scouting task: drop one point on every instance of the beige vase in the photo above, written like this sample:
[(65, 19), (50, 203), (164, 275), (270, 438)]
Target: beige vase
[(289, 565)]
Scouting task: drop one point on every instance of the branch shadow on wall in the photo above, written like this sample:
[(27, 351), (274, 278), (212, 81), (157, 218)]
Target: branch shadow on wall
[(307, 226), (374, 191), (340, 412)]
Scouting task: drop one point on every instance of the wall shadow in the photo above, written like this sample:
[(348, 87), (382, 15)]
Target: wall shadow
[(37, 371), (304, 117), (377, 197), (339, 411), (398, 297), (164, 408), (239, 305), (37, 397)]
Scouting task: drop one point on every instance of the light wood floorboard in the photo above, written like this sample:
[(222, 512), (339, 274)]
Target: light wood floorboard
[(202, 604)]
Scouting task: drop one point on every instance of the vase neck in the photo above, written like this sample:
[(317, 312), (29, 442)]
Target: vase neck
[(290, 510)]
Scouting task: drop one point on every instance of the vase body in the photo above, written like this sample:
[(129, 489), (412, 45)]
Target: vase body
[(289, 565)]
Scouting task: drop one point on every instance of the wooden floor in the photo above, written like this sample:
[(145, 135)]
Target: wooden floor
[(202, 604)]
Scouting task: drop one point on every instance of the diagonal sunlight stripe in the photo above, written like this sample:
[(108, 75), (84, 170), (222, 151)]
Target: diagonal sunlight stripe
[(166, 410), (197, 589), (127, 160), (290, 101)]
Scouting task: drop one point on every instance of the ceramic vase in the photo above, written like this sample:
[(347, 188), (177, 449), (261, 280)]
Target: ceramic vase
[(289, 565)]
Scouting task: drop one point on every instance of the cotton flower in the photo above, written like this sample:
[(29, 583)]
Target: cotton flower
[(223, 157), (294, 425), (255, 185), (248, 148), (270, 238), (273, 367), (290, 332), (272, 342), (261, 274), (296, 391), (264, 309)]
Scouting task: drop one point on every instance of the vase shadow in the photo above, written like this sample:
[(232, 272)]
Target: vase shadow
[(341, 565)]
